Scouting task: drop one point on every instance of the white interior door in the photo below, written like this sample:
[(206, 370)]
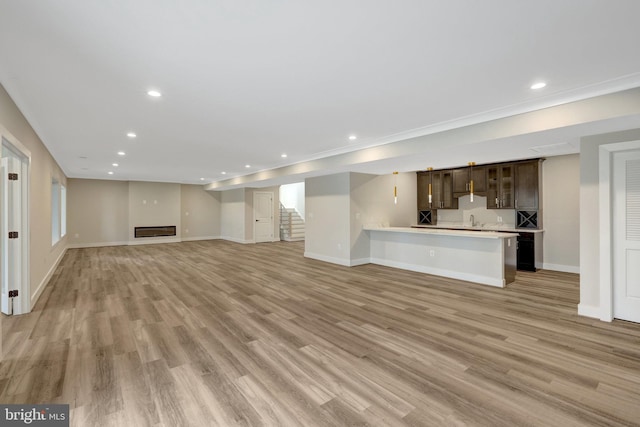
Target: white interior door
[(263, 216), (10, 246), (626, 236), (4, 241)]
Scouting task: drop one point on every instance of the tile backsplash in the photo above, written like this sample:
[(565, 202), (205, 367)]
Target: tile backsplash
[(482, 215)]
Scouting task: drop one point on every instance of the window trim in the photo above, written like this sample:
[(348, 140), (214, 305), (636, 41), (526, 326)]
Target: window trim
[(58, 211)]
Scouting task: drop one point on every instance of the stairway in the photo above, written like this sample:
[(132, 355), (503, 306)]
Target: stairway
[(291, 224)]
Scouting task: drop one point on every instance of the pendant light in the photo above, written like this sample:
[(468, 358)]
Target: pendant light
[(471, 165), (395, 188), (430, 180)]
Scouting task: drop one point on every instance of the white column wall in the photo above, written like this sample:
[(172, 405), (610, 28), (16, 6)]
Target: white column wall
[(327, 224), (590, 218)]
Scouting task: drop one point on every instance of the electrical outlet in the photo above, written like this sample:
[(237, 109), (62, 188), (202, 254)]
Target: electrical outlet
[(500, 219), (432, 252)]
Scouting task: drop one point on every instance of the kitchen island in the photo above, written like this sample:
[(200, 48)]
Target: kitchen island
[(486, 257)]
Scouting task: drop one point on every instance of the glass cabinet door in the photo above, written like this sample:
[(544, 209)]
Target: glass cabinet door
[(436, 185), (492, 188), (506, 187), (447, 189)]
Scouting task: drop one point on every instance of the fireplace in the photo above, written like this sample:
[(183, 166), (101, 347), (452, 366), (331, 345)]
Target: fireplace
[(160, 231)]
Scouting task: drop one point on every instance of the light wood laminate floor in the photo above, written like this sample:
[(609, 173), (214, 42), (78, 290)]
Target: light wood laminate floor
[(218, 333)]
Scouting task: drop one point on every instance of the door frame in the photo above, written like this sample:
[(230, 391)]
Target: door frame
[(24, 296), (605, 172), (273, 219)]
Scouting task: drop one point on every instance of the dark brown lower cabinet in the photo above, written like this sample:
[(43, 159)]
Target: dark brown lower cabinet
[(526, 252)]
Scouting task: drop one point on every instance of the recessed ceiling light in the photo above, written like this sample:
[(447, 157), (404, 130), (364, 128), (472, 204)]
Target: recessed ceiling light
[(114, 165), (352, 137), (538, 85), (131, 135), (110, 172), (247, 166), (283, 155), (83, 157), (154, 93), (201, 179), (223, 173), (121, 153)]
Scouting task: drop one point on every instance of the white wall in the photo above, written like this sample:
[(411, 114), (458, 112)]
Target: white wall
[(97, 212), (154, 204), (232, 215), (327, 224), (371, 203), (590, 218), (44, 256), (200, 212), (481, 215), (561, 211), (292, 196), (338, 206), (105, 212)]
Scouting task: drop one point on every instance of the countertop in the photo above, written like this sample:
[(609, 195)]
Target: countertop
[(483, 234), (451, 226)]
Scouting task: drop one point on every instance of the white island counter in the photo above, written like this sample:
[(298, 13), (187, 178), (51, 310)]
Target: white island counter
[(487, 257)]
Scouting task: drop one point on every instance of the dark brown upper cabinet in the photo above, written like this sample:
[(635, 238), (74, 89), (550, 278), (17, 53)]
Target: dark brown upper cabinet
[(500, 186), (441, 190), (514, 185), (423, 191), (442, 183), (462, 181), (527, 188)]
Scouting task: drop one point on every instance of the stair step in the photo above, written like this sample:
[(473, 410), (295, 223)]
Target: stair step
[(292, 225)]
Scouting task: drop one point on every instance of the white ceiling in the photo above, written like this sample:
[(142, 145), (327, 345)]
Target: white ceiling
[(243, 82)]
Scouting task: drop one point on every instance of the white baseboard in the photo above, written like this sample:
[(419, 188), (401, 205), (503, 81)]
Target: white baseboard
[(339, 261), (485, 280), (43, 283), (126, 242), (192, 239), (96, 245), (236, 240), (562, 268), (589, 311), (325, 258), (154, 241)]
